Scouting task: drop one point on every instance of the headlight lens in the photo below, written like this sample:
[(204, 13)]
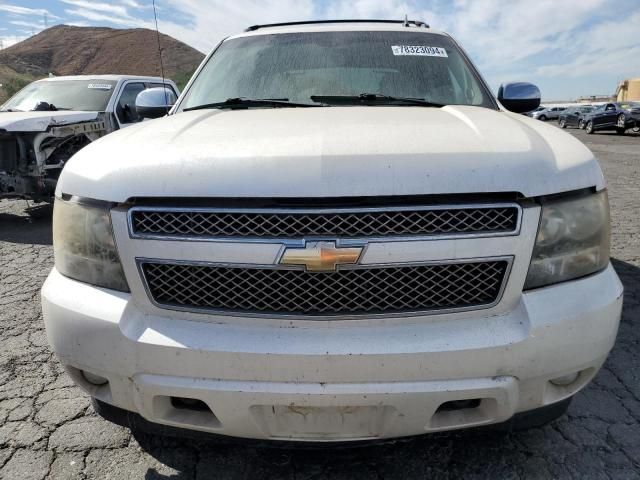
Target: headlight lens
[(83, 245), (572, 241)]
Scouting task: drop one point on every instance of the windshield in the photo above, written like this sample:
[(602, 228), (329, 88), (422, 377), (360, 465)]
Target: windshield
[(88, 95), (297, 66)]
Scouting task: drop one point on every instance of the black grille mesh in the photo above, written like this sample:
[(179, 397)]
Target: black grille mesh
[(343, 224), (347, 291)]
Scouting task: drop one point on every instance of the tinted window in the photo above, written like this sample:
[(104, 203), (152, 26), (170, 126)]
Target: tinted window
[(126, 107), (296, 66), (89, 95)]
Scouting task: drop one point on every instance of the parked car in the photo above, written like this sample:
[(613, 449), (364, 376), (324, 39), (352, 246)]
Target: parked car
[(337, 234), (619, 116), (574, 116), (549, 113), (539, 109), (49, 120)]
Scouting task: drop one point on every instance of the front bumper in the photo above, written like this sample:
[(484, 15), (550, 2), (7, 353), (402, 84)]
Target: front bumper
[(324, 382)]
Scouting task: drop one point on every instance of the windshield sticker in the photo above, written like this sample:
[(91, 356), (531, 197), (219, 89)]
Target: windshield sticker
[(99, 86), (419, 50)]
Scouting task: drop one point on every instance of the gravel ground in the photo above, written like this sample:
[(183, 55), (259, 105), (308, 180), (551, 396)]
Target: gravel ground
[(48, 428)]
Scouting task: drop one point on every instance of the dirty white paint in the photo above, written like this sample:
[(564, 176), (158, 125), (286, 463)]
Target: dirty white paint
[(338, 151)]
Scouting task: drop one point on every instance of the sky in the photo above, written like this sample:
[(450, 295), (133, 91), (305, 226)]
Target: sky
[(568, 48)]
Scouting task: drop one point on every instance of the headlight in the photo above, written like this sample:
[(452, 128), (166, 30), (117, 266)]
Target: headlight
[(83, 245), (572, 240)]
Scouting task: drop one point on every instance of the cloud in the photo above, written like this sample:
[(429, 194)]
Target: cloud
[(365, 9), (80, 23), (7, 41), (16, 10), (117, 10), (618, 61), (211, 21), (500, 33), (134, 4), (21, 23), (606, 47), (127, 22)]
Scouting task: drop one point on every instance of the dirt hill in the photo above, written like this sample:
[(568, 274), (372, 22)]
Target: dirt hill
[(66, 50)]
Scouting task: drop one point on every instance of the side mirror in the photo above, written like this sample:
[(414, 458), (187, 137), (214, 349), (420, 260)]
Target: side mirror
[(519, 97), (155, 102)]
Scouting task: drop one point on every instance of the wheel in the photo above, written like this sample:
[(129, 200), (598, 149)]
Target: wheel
[(589, 127), (636, 129), (622, 121), (543, 118), (581, 124), (563, 123)]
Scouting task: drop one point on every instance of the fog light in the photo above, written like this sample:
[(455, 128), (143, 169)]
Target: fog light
[(565, 379), (94, 379)]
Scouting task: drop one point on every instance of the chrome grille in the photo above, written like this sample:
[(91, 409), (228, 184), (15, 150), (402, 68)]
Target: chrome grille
[(382, 222), (352, 291)]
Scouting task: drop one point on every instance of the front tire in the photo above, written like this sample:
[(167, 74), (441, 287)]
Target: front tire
[(581, 124), (622, 121), (542, 118), (563, 123), (589, 127)]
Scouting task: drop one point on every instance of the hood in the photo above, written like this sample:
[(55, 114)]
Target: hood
[(41, 121), (331, 152)]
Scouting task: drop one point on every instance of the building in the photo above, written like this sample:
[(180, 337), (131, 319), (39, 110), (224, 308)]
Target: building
[(595, 99), (628, 90)]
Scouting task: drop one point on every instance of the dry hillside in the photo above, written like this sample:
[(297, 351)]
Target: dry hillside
[(66, 50)]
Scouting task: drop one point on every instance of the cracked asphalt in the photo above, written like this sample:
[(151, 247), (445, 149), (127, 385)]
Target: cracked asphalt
[(49, 430)]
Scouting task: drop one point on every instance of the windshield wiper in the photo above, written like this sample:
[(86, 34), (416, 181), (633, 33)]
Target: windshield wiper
[(242, 102), (373, 99)]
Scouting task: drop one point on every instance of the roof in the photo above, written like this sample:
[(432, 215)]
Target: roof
[(336, 26), (114, 78)]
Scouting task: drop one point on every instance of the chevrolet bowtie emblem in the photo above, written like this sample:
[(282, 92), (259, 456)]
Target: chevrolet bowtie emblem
[(320, 256)]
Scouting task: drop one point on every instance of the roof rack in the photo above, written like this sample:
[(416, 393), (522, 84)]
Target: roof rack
[(405, 22)]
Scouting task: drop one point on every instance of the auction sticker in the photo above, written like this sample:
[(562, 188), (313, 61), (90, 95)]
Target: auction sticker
[(99, 86), (419, 50)]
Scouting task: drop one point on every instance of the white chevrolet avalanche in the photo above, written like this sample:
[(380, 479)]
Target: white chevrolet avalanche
[(337, 234)]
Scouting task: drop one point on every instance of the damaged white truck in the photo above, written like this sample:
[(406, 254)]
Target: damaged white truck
[(49, 120)]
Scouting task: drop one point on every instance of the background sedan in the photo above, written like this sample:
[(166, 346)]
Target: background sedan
[(550, 113), (574, 116), (613, 116)]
